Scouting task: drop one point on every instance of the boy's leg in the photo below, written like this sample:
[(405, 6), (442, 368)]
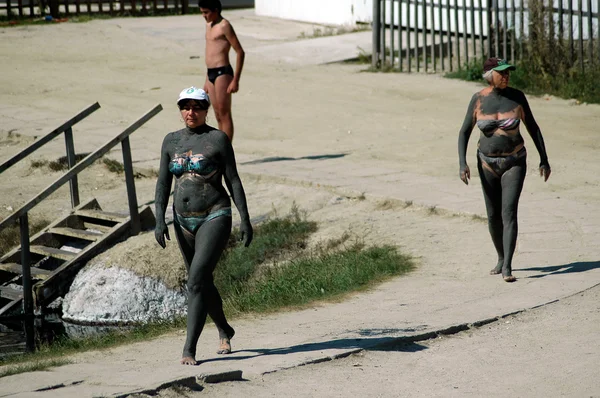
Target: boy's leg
[(221, 102)]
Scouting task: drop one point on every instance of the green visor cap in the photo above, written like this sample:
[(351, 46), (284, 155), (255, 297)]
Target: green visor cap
[(504, 66)]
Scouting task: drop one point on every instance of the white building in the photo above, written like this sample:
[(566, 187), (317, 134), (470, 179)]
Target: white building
[(327, 12)]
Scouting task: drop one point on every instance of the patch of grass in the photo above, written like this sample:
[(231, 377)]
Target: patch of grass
[(276, 272), (38, 164), (477, 217), (319, 276), (114, 166), (389, 204), (11, 236), (33, 367), (471, 72), (571, 83), (332, 244), (62, 164), (432, 210), (272, 240)]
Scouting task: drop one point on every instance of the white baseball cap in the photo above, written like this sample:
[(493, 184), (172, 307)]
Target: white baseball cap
[(193, 93)]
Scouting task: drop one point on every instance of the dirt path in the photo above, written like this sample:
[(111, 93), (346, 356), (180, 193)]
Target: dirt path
[(374, 154), (545, 352)]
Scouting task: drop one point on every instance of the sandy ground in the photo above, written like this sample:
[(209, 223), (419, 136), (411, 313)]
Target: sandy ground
[(533, 354), (363, 121)]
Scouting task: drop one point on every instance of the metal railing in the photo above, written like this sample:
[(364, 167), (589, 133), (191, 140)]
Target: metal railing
[(21, 213), (67, 128)]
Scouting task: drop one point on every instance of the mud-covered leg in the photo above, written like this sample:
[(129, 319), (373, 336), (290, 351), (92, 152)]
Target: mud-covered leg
[(210, 241), (215, 304), (187, 244), (492, 188), (512, 185)]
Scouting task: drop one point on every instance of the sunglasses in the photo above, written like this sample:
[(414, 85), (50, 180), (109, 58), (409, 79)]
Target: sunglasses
[(195, 108)]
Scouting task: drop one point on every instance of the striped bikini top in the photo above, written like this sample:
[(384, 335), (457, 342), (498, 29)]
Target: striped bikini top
[(489, 125), (196, 164)]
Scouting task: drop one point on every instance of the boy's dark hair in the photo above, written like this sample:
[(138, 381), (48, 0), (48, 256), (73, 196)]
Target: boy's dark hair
[(213, 5)]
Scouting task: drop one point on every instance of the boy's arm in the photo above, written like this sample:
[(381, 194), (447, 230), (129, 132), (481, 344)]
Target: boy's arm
[(240, 56)]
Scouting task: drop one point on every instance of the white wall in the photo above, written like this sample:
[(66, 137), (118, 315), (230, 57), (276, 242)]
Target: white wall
[(333, 12)]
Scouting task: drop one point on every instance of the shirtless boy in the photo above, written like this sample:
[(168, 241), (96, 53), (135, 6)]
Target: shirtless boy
[(221, 80)]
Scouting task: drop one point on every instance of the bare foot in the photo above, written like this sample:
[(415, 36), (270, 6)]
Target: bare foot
[(510, 278), (189, 361), (225, 346), (498, 269)]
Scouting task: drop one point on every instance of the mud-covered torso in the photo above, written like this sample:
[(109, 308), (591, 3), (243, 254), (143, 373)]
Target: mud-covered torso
[(498, 116), (197, 163)]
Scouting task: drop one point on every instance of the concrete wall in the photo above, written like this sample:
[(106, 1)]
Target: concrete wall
[(333, 12)]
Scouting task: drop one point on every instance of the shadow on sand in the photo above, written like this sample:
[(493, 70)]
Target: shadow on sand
[(284, 159), (580, 266), (390, 343)]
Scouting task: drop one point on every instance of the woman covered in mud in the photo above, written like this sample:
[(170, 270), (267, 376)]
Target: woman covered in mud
[(200, 157), (498, 110)]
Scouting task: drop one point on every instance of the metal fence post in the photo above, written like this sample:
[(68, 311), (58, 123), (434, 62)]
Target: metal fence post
[(375, 62), (490, 30), (74, 186), (131, 194)]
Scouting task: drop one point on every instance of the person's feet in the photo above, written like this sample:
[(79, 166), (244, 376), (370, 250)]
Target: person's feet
[(225, 346), (498, 269), (509, 278), (189, 361), (225, 341)]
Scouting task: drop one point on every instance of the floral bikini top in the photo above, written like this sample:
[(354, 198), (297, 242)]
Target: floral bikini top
[(197, 164), (489, 125)]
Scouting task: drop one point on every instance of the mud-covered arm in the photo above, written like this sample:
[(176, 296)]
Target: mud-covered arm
[(463, 140), (162, 192), (534, 131), (465, 132), (234, 185)]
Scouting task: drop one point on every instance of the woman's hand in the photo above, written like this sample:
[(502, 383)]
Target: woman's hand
[(465, 174), (545, 171), (246, 233), (160, 232)]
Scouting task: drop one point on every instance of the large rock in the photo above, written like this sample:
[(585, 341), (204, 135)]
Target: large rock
[(113, 295), (134, 281)]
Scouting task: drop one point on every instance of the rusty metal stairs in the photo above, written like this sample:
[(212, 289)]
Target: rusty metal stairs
[(60, 250)]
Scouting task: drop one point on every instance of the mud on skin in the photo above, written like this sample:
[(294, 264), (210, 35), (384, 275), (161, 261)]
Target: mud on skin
[(501, 162), (200, 158)]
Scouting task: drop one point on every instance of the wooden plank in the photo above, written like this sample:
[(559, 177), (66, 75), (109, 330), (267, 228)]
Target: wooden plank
[(10, 306), (76, 233), (62, 277), (82, 165), (36, 273), (96, 227), (90, 204), (10, 293), (53, 252), (102, 215)]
